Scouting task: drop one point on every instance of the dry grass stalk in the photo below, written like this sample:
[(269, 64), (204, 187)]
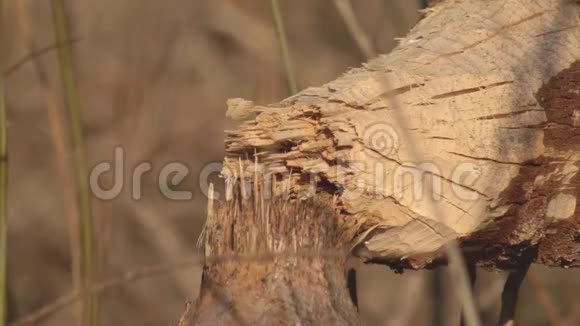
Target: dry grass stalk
[(71, 99), (457, 266), (347, 14), (544, 298), (284, 49), (58, 137), (3, 195), (3, 203), (344, 8)]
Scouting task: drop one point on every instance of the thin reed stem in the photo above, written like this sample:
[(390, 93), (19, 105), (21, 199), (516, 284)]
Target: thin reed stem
[(280, 31), (59, 141), (456, 262), (438, 298), (457, 267), (3, 210), (398, 21), (3, 194), (344, 8), (71, 100), (544, 299)]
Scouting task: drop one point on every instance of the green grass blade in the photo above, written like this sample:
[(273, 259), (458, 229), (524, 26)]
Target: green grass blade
[(71, 100), (280, 31)]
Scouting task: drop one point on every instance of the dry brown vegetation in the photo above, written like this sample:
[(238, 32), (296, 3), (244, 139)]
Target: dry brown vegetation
[(154, 77)]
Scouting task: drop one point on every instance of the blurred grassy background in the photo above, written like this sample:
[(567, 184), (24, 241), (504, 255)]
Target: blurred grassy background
[(153, 77)]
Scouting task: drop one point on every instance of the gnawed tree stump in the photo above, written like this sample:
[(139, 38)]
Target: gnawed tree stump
[(475, 116), (275, 262)]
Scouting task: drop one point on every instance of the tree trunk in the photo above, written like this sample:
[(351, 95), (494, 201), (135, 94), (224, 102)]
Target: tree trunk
[(475, 115), (468, 130)]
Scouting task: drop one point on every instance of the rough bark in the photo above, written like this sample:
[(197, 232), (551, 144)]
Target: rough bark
[(476, 113)]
